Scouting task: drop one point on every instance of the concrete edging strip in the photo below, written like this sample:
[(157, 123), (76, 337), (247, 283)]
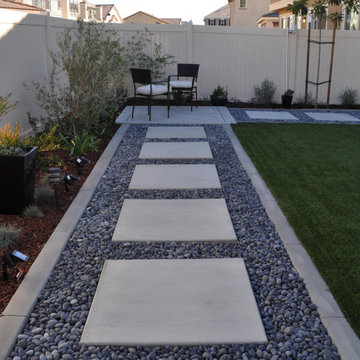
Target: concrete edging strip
[(22, 303), (342, 334)]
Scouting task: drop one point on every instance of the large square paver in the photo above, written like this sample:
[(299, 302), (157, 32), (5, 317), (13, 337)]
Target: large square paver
[(174, 220), (194, 176), (270, 115), (176, 150), (173, 302), (334, 116), (175, 132)]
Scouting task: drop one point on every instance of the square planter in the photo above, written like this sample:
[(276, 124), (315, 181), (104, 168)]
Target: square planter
[(17, 180)]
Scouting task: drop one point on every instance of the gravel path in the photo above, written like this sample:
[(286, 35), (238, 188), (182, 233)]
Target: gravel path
[(241, 116), (291, 321)]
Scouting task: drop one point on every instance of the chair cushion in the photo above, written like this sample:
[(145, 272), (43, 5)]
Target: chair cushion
[(156, 90), (184, 84)]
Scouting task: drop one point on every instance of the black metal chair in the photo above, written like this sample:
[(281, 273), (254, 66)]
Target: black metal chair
[(185, 80), (148, 88)]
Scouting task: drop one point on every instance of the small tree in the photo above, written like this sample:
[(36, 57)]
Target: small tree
[(319, 11)]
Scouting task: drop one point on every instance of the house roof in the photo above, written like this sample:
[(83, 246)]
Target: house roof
[(271, 14), (14, 5), (221, 13), (106, 8), (144, 13), (174, 21)]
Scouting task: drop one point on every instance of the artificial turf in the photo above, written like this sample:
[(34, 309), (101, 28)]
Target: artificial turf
[(313, 170)]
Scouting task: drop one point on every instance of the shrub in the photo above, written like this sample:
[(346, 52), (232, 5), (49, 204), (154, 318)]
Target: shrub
[(300, 100), (348, 97), (33, 211), (10, 140), (5, 106), (219, 93), (47, 140), (265, 92), (43, 193), (8, 236), (81, 144), (155, 60)]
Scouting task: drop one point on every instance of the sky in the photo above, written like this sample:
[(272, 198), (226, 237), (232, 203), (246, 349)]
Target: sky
[(187, 10)]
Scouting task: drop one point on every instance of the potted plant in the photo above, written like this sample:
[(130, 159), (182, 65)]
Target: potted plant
[(286, 98), (17, 166), (219, 96)]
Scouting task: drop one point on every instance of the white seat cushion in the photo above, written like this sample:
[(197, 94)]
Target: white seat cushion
[(185, 84), (156, 90)]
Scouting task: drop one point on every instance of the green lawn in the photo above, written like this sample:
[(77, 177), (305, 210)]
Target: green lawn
[(314, 173)]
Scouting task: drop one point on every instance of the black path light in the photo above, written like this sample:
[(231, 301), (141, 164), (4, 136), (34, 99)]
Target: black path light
[(10, 260), (55, 179), (80, 163), (69, 180)]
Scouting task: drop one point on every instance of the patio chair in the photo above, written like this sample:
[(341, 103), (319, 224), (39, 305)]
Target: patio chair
[(148, 89), (186, 80)]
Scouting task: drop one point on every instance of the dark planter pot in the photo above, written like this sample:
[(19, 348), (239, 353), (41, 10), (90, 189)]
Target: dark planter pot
[(17, 180), (219, 101), (286, 101)]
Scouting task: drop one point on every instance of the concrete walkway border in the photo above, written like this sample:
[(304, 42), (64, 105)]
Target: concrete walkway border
[(342, 334), (24, 300)]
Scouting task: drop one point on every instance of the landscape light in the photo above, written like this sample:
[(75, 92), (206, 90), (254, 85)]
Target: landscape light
[(80, 162), (55, 179), (10, 260), (69, 179)]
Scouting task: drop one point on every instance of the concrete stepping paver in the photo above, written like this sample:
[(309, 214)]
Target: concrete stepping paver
[(194, 176), (163, 302), (175, 132), (176, 150), (174, 220), (333, 116), (270, 115)]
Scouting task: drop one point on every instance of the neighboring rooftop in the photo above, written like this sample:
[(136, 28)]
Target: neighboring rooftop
[(221, 13), (14, 5)]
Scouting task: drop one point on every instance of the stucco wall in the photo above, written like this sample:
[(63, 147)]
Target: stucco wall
[(246, 17)]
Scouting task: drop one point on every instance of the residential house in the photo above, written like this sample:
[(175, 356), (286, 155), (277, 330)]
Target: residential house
[(109, 13), (68, 9), (18, 6), (142, 17), (245, 13), (288, 20), (219, 17), (269, 20)]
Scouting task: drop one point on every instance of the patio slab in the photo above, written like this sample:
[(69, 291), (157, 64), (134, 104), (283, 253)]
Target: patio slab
[(194, 176), (270, 115), (333, 116), (176, 150), (175, 132), (174, 220), (178, 115), (173, 302)]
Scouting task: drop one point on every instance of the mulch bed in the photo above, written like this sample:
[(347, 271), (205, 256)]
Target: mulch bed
[(36, 231)]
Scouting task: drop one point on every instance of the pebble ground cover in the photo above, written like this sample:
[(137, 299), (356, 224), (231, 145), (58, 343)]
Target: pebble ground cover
[(290, 319)]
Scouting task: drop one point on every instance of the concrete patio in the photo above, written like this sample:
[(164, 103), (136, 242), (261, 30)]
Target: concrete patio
[(241, 284)]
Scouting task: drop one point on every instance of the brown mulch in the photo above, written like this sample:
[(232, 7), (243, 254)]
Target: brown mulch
[(34, 231)]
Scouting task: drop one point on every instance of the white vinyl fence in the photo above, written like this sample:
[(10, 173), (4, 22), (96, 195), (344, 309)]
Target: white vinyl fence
[(237, 58)]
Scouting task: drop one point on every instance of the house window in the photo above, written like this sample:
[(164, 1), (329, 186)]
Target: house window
[(47, 4), (59, 4), (211, 22), (319, 23), (351, 20), (243, 3), (222, 22)]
